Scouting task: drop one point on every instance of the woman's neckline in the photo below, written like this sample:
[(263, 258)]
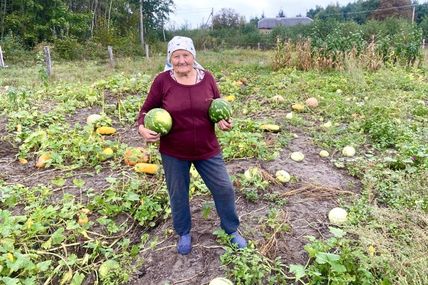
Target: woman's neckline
[(186, 85)]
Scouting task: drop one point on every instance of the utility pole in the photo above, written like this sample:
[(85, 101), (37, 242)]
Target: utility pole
[(163, 31), (413, 14), (212, 18), (141, 24)]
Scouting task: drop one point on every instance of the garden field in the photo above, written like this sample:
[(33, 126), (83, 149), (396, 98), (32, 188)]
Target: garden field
[(73, 212)]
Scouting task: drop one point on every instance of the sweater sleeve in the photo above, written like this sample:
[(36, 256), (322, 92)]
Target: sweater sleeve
[(214, 87), (153, 100)]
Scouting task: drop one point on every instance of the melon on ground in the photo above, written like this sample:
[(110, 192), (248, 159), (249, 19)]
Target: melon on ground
[(312, 102), (134, 155), (270, 128), (298, 107)]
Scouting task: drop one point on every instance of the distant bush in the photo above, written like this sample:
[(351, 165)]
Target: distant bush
[(424, 26), (14, 50), (330, 44), (292, 33), (68, 48)]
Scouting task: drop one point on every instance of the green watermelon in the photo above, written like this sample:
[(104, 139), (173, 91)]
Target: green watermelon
[(158, 120), (220, 109)]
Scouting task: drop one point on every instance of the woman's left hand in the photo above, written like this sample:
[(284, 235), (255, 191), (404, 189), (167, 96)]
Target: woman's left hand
[(225, 125)]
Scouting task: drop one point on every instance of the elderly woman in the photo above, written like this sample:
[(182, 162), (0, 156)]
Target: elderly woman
[(186, 90)]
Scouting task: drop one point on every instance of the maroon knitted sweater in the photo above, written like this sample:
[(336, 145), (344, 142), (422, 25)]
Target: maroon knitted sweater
[(192, 136)]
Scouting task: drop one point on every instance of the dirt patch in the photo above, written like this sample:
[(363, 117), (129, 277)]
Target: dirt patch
[(313, 169), (308, 201), (317, 188), (129, 135), (80, 115), (163, 265)]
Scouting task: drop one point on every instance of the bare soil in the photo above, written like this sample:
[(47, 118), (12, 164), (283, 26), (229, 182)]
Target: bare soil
[(317, 187)]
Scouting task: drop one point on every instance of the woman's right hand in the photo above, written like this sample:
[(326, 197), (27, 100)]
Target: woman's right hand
[(148, 135)]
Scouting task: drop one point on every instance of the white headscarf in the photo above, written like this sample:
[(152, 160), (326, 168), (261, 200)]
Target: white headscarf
[(177, 43)]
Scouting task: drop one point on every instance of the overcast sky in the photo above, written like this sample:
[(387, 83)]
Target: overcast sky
[(194, 12)]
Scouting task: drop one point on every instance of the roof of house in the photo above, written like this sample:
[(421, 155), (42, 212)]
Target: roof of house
[(270, 23)]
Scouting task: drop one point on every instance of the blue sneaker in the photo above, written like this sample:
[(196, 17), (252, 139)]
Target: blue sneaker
[(238, 240), (184, 245)]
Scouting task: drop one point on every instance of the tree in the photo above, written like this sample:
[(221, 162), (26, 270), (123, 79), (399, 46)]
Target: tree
[(421, 12), (313, 12), (330, 12), (281, 14), (360, 11), (3, 9), (254, 21), (35, 21), (393, 8), (424, 26), (227, 18)]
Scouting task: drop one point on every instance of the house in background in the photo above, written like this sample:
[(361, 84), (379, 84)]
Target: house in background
[(267, 24)]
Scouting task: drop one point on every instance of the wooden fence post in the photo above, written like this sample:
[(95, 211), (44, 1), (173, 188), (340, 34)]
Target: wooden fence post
[(110, 55), (258, 46), (48, 60), (147, 50), (1, 58)]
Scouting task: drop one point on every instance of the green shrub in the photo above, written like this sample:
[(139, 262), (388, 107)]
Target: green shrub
[(68, 48), (335, 261), (14, 50)]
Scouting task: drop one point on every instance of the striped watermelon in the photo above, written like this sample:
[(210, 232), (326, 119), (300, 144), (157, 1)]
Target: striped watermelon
[(158, 120), (220, 109)]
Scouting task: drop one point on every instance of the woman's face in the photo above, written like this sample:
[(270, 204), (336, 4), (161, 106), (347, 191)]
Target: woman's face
[(182, 61)]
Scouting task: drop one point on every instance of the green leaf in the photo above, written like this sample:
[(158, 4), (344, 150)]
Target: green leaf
[(311, 250), (58, 181), (206, 209), (337, 232), (134, 250), (78, 182), (10, 281), (132, 196), (44, 265), (386, 282), (29, 281), (298, 270), (77, 279), (67, 276), (337, 267), (325, 257), (7, 244), (47, 244), (22, 262), (58, 236), (71, 259)]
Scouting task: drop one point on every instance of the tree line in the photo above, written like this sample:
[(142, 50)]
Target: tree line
[(83, 28), (363, 11), (35, 21)]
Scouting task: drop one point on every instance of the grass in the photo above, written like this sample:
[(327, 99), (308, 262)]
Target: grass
[(400, 243), (86, 72)]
